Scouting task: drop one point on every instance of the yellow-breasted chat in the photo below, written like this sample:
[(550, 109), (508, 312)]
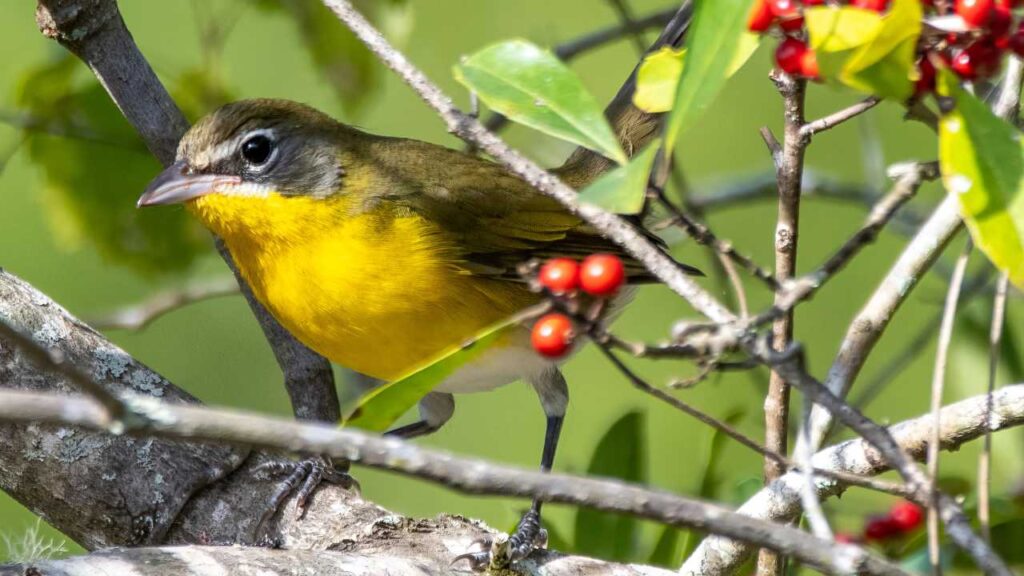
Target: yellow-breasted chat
[(380, 253)]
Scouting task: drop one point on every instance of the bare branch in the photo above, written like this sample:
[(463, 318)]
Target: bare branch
[(938, 383), (469, 475), (178, 560), (790, 365), (140, 315), (867, 327), (837, 118), (995, 338), (789, 168), (960, 423)]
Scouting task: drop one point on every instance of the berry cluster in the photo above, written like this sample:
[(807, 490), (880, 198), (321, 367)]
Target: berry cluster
[(902, 519), (979, 32), (599, 275)]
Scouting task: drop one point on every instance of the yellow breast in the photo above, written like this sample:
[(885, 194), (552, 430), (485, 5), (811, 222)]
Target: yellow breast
[(379, 292)]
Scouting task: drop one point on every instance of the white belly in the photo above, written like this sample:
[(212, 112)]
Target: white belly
[(497, 367)]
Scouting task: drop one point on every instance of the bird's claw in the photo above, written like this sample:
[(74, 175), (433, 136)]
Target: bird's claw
[(302, 477), (502, 550)]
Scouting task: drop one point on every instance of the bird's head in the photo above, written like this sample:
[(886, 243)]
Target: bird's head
[(255, 148)]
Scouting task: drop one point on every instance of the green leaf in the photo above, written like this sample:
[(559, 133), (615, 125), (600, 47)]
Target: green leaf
[(94, 172), (1007, 538), (657, 80), (382, 406), (982, 164), (619, 454), (533, 87), (658, 77), (623, 189), (867, 51), (714, 43)]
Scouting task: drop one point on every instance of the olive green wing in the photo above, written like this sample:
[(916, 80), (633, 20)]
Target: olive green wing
[(495, 220)]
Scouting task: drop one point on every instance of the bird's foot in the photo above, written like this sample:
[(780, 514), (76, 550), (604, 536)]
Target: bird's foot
[(502, 550), (302, 477)]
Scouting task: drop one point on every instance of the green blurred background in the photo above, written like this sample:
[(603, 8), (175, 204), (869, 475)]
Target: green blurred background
[(68, 226)]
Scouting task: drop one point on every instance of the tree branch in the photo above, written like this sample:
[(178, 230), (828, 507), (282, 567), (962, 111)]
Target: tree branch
[(174, 561), (196, 423), (94, 31), (960, 423)]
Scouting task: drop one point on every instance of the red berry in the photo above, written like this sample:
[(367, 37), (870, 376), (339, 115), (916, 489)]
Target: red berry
[(1000, 22), (792, 24), (1011, 4), (1016, 42), (784, 9), (560, 275), (552, 335), (876, 5), (926, 82), (602, 274), (978, 60), (976, 13), (788, 54), (813, 2), (880, 528), (761, 17), (794, 57), (906, 515), (809, 65)]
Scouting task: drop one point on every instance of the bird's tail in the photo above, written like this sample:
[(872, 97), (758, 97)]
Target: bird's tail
[(634, 127)]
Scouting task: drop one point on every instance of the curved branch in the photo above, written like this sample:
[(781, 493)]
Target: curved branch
[(960, 423)]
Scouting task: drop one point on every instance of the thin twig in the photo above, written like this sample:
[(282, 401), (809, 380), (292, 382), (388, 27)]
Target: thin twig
[(995, 339), (728, 430), (837, 118), (700, 232), (140, 315), (938, 382), (789, 166), (625, 14), (962, 422), (908, 180), (468, 129), (790, 365), (196, 423)]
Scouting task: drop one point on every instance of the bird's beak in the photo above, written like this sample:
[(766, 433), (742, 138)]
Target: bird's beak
[(175, 185)]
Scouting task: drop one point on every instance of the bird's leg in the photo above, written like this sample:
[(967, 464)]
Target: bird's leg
[(317, 403), (436, 408), (529, 535)]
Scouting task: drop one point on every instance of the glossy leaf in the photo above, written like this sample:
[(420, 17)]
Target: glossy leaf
[(867, 51), (533, 87), (94, 167), (714, 43), (621, 453), (382, 406), (623, 189), (657, 79), (982, 163)]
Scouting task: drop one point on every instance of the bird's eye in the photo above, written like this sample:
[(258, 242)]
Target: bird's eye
[(257, 149)]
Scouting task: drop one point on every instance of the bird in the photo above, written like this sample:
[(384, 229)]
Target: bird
[(379, 252)]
